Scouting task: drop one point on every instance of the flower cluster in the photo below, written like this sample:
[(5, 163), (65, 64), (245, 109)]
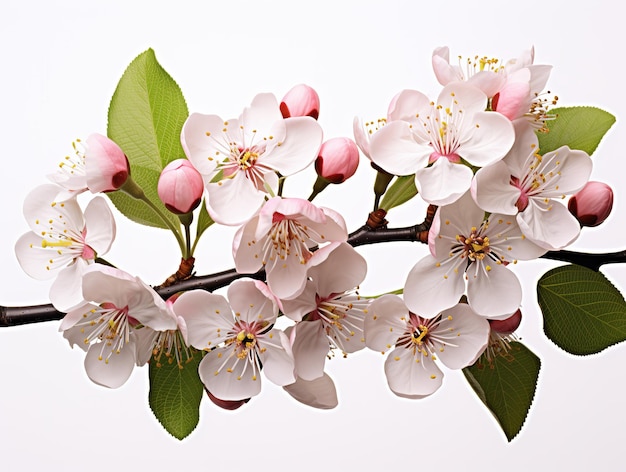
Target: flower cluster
[(473, 154)]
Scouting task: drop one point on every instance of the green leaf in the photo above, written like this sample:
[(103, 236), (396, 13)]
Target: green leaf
[(583, 312), (401, 191), (506, 385), (175, 395), (577, 127), (146, 115), (204, 220)]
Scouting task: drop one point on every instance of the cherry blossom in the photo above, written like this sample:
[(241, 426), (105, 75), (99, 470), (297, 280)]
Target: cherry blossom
[(530, 186), (435, 139), (329, 311), (280, 239), (470, 249), (116, 304), (592, 205), (63, 241), (240, 159), (301, 100), (240, 338), (456, 337)]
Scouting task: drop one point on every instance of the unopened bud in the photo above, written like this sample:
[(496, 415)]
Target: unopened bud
[(301, 100), (593, 204), (227, 404), (106, 165), (337, 160), (180, 186), (508, 325)]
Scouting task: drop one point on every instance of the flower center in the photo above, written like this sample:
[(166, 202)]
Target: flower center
[(108, 324), (475, 246), (171, 347), (287, 238)]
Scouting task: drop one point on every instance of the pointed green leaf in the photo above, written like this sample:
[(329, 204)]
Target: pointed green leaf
[(146, 116), (401, 191), (577, 127), (204, 221), (506, 385), (583, 313), (175, 395)]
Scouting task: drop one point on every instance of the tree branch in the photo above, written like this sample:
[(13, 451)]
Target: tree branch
[(367, 234)]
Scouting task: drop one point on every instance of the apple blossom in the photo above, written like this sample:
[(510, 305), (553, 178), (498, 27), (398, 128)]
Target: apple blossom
[(456, 337), (63, 241), (318, 393), (593, 204), (240, 338), (115, 305), (329, 312), (180, 186), (470, 249), (280, 239), (301, 100), (337, 160), (240, 159), (435, 139), (529, 185)]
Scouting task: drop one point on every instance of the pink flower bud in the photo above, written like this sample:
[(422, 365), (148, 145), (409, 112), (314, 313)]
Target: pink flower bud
[(180, 186), (337, 160), (508, 325), (106, 165), (301, 100), (593, 204), (227, 404)]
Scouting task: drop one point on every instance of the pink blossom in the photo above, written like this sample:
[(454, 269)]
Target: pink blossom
[(180, 186), (106, 165), (337, 160), (593, 204), (301, 100)]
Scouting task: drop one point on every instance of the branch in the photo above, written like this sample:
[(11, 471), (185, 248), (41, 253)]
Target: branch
[(374, 232)]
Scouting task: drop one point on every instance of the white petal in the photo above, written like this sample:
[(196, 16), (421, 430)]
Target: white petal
[(407, 104), (35, 259), (443, 182), (493, 290), (259, 117), (550, 225), (100, 225), (277, 358), (303, 138), (66, 292), (574, 169), (492, 189), (411, 377), (395, 149), (296, 308), (251, 299), (228, 377), (319, 393), (492, 137), (233, 201), (310, 349), (464, 96), (208, 317), (385, 322), (467, 334), (342, 269), (203, 150), (429, 289), (115, 371)]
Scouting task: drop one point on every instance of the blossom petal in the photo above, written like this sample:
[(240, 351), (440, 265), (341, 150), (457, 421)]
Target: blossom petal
[(491, 139), (318, 393), (228, 377), (310, 348), (468, 335), (258, 118), (99, 225), (66, 291), (492, 189), (277, 358), (252, 301), (395, 149), (341, 269), (487, 280), (432, 287), (443, 182), (385, 322), (407, 104), (409, 377), (208, 317), (297, 308), (550, 225), (113, 371), (235, 200), (199, 138)]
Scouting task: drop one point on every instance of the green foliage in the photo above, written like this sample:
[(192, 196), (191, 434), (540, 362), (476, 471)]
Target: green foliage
[(577, 127), (583, 312), (506, 385), (175, 395), (401, 191), (146, 116)]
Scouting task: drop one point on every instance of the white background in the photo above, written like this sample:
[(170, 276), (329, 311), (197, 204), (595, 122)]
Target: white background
[(60, 63)]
